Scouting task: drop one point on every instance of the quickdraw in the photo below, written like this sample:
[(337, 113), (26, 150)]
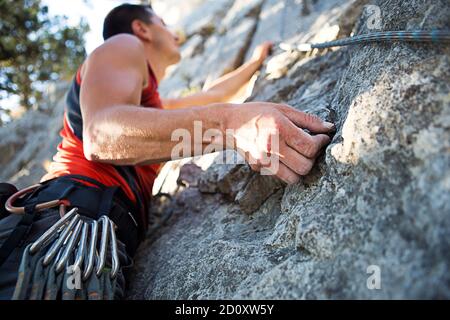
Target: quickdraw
[(71, 243)]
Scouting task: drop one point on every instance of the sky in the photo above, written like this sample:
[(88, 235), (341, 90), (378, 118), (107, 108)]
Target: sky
[(93, 11)]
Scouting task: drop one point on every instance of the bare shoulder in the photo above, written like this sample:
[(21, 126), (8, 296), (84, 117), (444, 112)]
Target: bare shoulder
[(125, 41), (122, 47)]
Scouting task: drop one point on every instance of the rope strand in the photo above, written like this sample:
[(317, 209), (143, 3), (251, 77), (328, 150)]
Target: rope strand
[(435, 36)]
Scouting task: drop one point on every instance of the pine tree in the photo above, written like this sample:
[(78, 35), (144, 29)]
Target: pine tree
[(35, 48)]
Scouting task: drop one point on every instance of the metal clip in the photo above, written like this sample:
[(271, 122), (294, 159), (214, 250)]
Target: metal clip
[(103, 244), (92, 250), (69, 247), (114, 252), (38, 244), (81, 246), (58, 243)]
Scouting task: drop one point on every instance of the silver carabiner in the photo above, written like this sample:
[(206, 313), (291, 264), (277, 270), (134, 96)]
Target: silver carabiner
[(81, 246), (92, 250), (114, 252), (58, 243), (69, 247), (38, 244), (103, 245)]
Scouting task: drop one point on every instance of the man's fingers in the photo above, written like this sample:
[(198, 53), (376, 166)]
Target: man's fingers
[(279, 169), (282, 172), (294, 160), (269, 45), (307, 121), (321, 141), (303, 143), (296, 148)]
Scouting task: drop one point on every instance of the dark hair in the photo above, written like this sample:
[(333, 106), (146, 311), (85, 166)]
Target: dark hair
[(120, 18)]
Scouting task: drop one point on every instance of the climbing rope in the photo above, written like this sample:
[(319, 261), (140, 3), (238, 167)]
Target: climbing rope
[(435, 36)]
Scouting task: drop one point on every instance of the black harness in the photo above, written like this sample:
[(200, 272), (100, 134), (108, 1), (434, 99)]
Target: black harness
[(92, 202)]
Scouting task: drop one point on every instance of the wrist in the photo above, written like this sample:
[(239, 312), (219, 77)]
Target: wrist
[(256, 62), (226, 117), (229, 114)]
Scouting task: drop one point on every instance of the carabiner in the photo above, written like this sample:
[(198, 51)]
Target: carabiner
[(92, 250), (51, 231), (81, 246), (73, 238), (114, 253), (58, 243), (103, 245)]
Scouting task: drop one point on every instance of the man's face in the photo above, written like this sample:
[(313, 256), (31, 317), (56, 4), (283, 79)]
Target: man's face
[(164, 41)]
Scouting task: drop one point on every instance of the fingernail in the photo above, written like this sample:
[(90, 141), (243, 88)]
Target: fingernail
[(329, 125)]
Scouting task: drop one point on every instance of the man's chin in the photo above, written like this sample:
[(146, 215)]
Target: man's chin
[(176, 58)]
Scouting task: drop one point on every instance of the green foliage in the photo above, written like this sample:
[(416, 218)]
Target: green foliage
[(35, 48)]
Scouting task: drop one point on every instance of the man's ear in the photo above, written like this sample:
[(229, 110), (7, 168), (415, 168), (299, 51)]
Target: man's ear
[(141, 30)]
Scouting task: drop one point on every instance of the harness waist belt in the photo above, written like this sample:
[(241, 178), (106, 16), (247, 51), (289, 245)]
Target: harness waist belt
[(93, 202)]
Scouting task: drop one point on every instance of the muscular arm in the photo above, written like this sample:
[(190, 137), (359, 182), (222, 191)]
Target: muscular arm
[(224, 88), (117, 130)]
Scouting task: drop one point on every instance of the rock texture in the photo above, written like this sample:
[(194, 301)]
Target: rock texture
[(28, 144), (378, 196)]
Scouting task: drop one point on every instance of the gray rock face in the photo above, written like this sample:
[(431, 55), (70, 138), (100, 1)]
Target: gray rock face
[(377, 198), (28, 144)]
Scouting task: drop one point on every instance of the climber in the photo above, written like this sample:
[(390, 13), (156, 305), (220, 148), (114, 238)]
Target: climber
[(116, 131)]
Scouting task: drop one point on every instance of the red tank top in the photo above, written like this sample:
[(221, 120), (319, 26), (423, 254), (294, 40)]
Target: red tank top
[(135, 181)]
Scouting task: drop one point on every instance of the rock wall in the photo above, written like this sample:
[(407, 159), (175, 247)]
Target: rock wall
[(379, 195), (28, 144), (377, 198)]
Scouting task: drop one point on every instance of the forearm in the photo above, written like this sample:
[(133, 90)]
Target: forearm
[(197, 99), (130, 135), (230, 83), (221, 90)]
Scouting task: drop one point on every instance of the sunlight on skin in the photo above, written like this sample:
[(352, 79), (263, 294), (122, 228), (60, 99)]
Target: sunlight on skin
[(113, 138), (257, 150)]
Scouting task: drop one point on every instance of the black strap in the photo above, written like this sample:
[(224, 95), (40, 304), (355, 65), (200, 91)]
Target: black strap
[(6, 190), (19, 233), (118, 194), (107, 201), (81, 177)]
